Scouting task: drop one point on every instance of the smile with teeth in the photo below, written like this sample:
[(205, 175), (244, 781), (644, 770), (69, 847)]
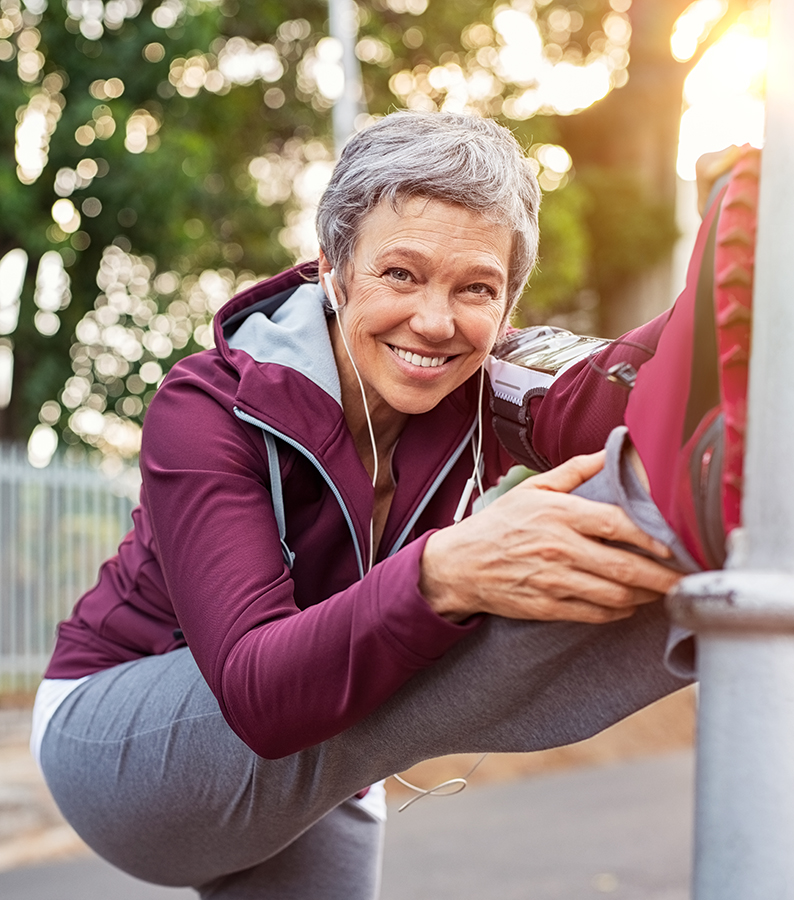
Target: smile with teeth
[(423, 362)]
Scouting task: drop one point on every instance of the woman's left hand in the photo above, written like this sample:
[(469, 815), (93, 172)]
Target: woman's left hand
[(538, 552)]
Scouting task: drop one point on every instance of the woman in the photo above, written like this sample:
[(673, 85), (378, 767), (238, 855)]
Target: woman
[(294, 616)]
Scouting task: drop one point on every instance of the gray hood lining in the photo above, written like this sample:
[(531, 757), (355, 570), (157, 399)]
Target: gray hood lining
[(283, 339)]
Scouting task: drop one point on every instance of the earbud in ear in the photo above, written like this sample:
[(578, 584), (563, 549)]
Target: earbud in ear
[(330, 293)]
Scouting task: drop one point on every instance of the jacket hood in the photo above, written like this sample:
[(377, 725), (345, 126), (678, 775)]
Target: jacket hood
[(283, 336), (275, 336), (262, 301)]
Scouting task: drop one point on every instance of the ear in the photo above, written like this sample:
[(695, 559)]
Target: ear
[(325, 267), (327, 281)]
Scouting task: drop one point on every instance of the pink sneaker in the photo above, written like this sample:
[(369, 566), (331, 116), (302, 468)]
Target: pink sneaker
[(687, 413)]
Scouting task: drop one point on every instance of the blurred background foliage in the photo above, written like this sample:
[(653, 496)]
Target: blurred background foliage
[(159, 156)]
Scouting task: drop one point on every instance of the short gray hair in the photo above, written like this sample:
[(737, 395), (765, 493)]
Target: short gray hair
[(456, 158)]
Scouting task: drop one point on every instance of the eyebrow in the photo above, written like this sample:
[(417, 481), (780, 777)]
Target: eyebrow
[(404, 253)]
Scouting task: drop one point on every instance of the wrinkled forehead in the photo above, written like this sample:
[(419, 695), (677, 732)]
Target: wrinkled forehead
[(415, 203), (420, 225)]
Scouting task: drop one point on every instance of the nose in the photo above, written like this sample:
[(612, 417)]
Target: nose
[(433, 319)]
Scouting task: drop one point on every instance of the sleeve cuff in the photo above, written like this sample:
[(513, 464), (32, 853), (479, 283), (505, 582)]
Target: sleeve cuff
[(405, 613)]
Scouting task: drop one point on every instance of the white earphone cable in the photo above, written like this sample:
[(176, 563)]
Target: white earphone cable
[(476, 476), (445, 789), (335, 305)]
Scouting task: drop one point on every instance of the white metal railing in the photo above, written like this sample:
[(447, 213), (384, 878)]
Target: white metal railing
[(57, 526)]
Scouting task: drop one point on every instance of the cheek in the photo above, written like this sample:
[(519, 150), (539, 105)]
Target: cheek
[(361, 326), (484, 328), (367, 312)]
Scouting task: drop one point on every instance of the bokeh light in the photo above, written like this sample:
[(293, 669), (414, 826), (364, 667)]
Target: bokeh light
[(42, 444), (553, 165), (299, 172), (30, 60), (52, 293), (168, 13), (320, 72), (13, 267), (106, 90), (142, 128), (521, 65), (693, 26), (65, 215), (52, 283), (140, 318), (724, 92), (6, 371), (237, 61), (412, 7), (36, 123)]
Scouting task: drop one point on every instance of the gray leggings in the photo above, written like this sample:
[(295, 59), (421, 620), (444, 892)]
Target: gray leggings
[(147, 771)]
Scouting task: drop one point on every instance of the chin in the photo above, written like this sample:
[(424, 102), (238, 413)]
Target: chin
[(415, 406)]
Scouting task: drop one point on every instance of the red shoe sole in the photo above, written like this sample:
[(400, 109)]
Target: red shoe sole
[(733, 300)]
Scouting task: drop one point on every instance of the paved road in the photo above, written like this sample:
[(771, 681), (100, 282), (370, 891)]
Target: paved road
[(621, 831)]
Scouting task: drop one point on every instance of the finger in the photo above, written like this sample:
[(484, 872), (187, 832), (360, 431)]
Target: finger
[(610, 523), (598, 589), (577, 610), (569, 475), (624, 568)]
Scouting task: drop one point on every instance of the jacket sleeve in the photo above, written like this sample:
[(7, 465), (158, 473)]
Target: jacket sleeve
[(581, 406), (285, 678)]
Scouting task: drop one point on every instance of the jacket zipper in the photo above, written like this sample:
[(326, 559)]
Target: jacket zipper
[(433, 488), (326, 477), (246, 417)]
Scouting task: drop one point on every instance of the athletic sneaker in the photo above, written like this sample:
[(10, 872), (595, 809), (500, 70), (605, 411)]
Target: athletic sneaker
[(687, 413)]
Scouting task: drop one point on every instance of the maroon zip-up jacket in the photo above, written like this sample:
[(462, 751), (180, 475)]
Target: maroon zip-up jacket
[(296, 655)]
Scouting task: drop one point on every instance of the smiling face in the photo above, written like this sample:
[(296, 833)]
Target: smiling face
[(426, 296)]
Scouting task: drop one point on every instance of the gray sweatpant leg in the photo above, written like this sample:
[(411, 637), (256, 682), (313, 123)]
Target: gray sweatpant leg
[(338, 858), (147, 771)]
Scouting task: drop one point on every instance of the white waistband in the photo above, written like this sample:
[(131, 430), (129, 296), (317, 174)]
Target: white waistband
[(51, 693)]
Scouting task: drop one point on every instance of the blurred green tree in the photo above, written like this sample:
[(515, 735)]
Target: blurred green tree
[(154, 157)]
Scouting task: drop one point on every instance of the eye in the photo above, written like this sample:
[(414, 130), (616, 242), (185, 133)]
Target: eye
[(397, 274), (482, 290)]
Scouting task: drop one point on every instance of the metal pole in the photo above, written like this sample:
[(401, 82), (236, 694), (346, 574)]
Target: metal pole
[(342, 26), (744, 616)]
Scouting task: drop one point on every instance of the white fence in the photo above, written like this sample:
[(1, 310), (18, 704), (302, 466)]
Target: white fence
[(57, 525)]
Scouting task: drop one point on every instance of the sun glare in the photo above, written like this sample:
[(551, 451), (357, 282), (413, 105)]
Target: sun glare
[(724, 92), (693, 26)]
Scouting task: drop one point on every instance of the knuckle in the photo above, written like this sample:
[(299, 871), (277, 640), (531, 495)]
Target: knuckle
[(550, 552), (625, 597), (608, 527), (616, 598), (623, 571)]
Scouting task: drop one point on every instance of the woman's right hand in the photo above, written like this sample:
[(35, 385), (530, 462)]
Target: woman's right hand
[(537, 553)]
